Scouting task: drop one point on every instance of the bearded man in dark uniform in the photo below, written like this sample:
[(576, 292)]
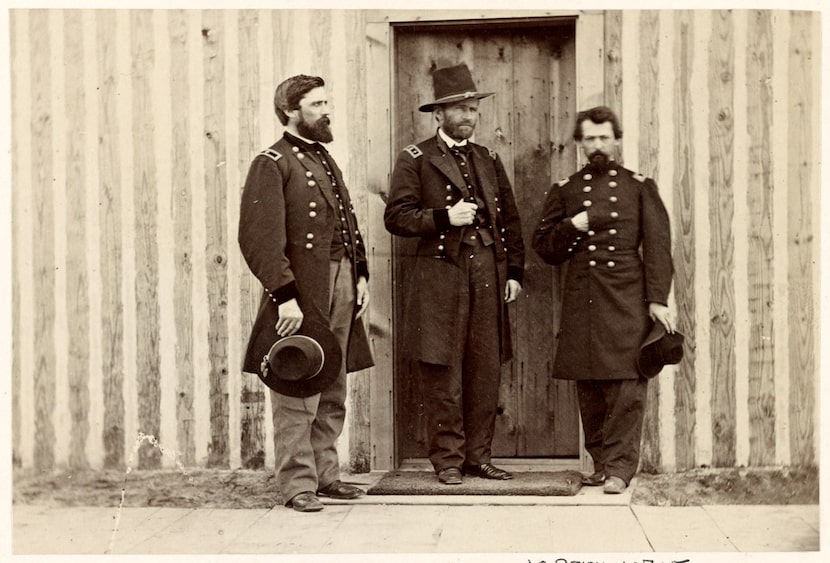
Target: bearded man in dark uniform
[(611, 227), (298, 233), (455, 197)]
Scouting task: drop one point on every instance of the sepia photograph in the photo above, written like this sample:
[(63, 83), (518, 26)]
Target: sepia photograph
[(482, 281)]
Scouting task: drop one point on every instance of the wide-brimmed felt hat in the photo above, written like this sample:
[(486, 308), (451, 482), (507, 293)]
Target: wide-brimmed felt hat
[(453, 84), (660, 348), (303, 364)]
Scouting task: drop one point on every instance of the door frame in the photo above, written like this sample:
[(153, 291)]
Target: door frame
[(380, 71)]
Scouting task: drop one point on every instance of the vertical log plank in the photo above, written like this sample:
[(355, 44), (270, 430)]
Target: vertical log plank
[(803, 117), (111, 250), (613, 61), (252, 413), (761, 373), (216, 220), (43, 239), (180, 51), (649, 142), (683, 253), (148, 371), (77, 298), (721, 250)]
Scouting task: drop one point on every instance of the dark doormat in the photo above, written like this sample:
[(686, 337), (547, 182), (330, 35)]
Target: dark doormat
[(534, 483)]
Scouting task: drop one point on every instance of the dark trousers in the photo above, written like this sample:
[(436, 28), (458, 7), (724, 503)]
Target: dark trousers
[(461, 399), (612, 418)]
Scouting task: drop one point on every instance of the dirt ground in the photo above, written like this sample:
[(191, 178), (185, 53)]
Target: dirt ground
[(213, 488)]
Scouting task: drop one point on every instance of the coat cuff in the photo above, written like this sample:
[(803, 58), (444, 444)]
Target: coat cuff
[(285, 293), (515, 273), (441, 217), (362, 269)]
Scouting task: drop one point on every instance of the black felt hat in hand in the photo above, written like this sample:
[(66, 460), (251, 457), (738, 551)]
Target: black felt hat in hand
[(660, 348), (303, 364), (453, 84)]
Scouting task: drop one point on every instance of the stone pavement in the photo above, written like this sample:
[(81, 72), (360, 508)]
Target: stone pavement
[(587, 523)]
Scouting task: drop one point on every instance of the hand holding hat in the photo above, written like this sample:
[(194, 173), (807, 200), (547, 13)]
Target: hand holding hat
[(304, 363)]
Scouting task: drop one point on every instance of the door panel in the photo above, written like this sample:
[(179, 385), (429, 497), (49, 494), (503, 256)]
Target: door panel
[(528, 122)]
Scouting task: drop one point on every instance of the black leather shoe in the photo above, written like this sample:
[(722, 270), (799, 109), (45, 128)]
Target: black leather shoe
[(487, 471), (340, 490), (594, 479), (450, 476), (306, 502)]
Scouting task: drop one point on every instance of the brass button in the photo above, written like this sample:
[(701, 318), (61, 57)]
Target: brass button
[(612, 184), (612, 248), (587, 177), (449, 198), (592, 247), (591, 233), (613, 199), (612, 231), (312, 214), (300, 156), (612, 172), (309, 236), (592, 263), (614, 214), (587, 203), (309, 246), (611, 264), (586, 189), (440, 247), (308, 174), (312, 204), (295, 149), (311, 183)]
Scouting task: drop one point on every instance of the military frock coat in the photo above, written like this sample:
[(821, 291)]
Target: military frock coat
[(286, 225), (614, 270), (426, 182)]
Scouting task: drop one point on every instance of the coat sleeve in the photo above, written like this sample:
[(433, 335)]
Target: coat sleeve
[(405, 213), (555, 234), (511, 223), (656, 244), (262, 236)]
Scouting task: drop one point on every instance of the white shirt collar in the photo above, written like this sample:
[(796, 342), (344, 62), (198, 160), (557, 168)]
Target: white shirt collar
[(450, 141)]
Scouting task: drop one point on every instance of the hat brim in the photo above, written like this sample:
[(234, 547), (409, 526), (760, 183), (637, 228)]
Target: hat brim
[(649, 364), (333, 360), (454, 98)]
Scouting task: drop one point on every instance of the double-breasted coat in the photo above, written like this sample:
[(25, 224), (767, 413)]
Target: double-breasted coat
[(614, 270), (425, 184), (287, 219)]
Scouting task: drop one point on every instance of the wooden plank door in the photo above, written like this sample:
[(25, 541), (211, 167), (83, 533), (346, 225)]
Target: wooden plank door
[(528, 122)]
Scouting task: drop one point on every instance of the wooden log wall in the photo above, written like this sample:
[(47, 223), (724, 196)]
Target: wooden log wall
[(132, 132), (722, 109)]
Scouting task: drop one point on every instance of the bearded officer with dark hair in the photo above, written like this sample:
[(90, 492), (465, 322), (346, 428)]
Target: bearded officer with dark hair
[(611, 227), (455, 197), (298, 233)]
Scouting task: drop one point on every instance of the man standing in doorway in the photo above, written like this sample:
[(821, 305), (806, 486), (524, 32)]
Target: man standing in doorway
[(610, 225), (454, 195), (299, 235)]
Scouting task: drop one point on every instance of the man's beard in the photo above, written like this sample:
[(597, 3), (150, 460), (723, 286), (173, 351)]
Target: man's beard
[(320, 131), (599, 160)]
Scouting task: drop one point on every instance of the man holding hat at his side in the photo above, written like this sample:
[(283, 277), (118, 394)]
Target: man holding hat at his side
[(455, 197), (299, 235), (611, 227)]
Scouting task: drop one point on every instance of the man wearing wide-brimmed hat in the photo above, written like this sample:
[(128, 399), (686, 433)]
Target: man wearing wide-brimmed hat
[(298, 233), (455, 197)]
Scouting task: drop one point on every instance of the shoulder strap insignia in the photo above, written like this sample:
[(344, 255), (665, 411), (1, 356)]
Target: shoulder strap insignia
[(414, 151), (272, 154), (563, 181), (639, 177), (492, 153)]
